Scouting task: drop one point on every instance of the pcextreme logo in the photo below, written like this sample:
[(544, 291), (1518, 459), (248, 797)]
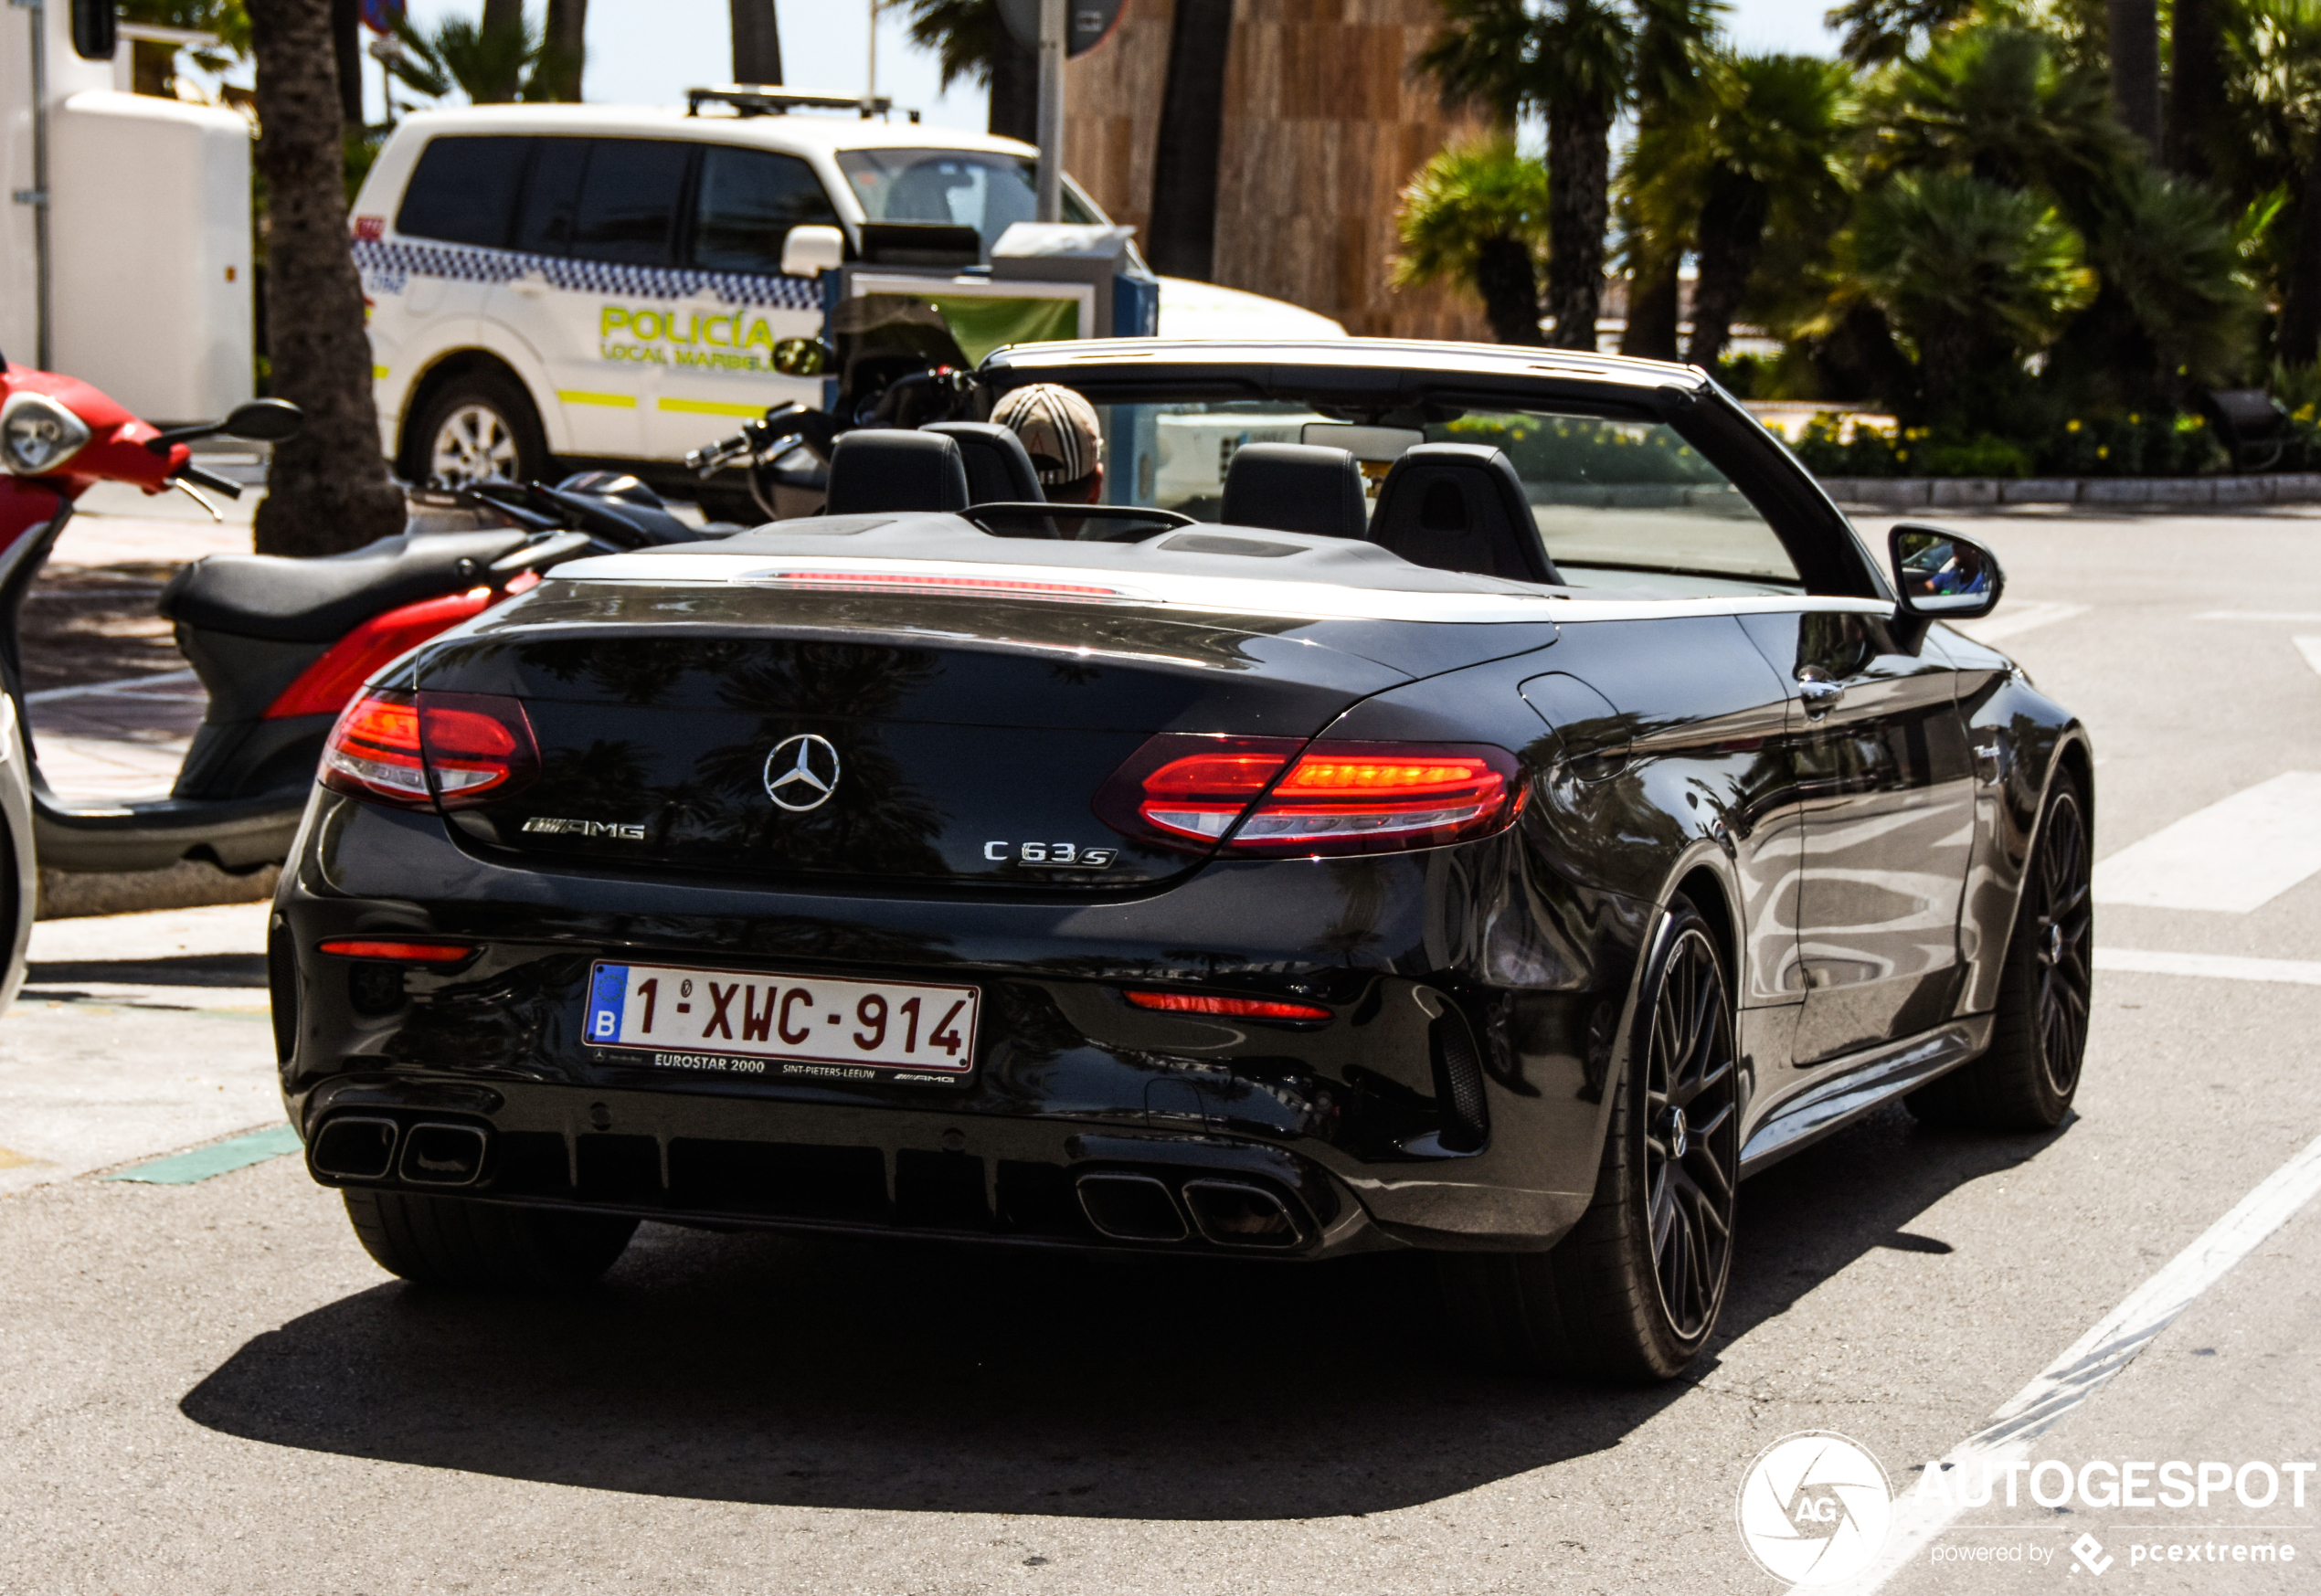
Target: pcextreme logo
[(1814, 1508), (718, 340)]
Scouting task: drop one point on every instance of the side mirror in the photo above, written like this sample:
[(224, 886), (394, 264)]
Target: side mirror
[(810, 252), (803, 356), (263, 420), (1941, 575), (96, 30)]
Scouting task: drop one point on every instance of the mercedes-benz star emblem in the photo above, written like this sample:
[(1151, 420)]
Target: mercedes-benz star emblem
[(801, 772)]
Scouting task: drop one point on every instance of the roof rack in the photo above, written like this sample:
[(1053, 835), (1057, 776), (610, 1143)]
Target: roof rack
[(771, 100)]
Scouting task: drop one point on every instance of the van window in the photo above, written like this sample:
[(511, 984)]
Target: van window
[(551, 195), (959, 188), (463, 191), (749, 201), (627, 210)]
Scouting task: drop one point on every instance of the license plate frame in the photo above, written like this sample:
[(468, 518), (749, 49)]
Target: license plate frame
[(645, 1011)]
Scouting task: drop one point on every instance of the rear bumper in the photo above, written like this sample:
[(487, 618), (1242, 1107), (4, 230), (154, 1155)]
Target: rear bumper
[(1351, 1127)]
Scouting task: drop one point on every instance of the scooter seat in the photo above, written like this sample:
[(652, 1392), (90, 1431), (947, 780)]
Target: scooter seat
[(321, 600)]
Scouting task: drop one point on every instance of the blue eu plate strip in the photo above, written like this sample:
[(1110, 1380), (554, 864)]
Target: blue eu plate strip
[(607, 992)]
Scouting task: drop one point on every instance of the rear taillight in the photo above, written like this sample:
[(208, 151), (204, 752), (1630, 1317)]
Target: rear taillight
[(1232, 1008), (451, 749), (1274, 795)]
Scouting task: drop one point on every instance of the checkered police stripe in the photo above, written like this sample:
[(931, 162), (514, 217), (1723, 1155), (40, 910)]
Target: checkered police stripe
[(386, 266)]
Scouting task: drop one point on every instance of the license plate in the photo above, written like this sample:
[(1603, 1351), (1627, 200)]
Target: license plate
[(746, 1023)]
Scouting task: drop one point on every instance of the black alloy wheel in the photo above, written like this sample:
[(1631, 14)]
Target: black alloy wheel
[(2060, 920), (1692, 1141), (2026, 1078), (1634, 1291)]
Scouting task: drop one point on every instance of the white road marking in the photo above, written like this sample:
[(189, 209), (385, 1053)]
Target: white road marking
[(2014, 619), (128, 685), (2233, 856), (2258, 615), (2296, 972), (2311, 649), (2090, 1362)]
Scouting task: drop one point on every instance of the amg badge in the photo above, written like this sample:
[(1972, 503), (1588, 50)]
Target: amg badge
[(556, 827)]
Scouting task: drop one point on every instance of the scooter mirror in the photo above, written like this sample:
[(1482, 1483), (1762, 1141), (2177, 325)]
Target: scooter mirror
[(264, 420), (96, 30)]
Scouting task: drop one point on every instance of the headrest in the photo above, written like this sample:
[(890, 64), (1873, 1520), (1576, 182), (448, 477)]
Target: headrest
[(1295, 487), (879, 472), (998, 469), (1461, 507)]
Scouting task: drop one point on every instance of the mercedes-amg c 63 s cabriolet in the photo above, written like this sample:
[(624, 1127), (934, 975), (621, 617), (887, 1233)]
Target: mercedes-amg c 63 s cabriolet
[(1486, 800)]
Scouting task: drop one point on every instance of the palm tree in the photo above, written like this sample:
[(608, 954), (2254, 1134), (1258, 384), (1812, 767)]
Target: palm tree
[(2274, 144), (1675, 57), (1476, 214), (1878, 31), (2004, 104), (1971, 274), (970, 41), (486, 64), (327, 488), (1573, 61)]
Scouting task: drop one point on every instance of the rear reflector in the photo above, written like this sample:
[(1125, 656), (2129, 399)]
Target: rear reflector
[(1275, 796), (407, 952), (915, 582), (1232, 1008), (451, 749)]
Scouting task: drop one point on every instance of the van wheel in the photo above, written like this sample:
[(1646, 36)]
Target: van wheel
[(483, 1246), (1634, 1292), (477, 425)]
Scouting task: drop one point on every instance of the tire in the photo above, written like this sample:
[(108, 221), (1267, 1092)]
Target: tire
[(1634, 1292), (2026, 1078), (479, 424), (481, 1246)]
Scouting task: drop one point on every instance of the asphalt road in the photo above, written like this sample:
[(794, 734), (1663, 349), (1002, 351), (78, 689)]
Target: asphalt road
[(207, 1387)]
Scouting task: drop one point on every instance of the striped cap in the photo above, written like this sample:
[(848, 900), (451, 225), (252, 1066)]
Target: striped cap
[(1058, 429)]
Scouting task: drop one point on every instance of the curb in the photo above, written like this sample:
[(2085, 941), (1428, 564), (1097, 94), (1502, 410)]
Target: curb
[(187, 885), (2112, 492)]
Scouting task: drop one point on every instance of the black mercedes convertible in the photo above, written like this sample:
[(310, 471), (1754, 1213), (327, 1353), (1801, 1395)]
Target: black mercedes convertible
[(1486, 800)]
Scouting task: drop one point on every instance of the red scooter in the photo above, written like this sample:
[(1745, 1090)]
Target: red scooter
[(280, 645)]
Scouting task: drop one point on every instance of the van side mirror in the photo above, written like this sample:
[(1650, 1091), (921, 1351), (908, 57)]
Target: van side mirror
[(803, 356), (810, 252), (1941, 575), (96, 30)]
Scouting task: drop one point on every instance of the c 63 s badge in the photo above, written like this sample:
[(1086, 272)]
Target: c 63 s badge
[(1050, 855), (558, 827)]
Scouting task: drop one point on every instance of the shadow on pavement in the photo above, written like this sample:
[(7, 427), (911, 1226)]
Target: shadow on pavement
[(757, 1368)]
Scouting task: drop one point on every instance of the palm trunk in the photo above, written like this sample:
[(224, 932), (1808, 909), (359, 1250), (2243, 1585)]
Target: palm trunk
[(328, 489), (2196, 87), (563, 49), (2136, 68), (1579, 165), (757, 42), (1731, 236), (503, 17), (2297, 340), (1015, 86), (1510, 289), (1654, 294), (346, 51), (1191, 140)]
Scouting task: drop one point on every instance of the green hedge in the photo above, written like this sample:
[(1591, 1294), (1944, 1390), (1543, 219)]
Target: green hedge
[(2131, 445)]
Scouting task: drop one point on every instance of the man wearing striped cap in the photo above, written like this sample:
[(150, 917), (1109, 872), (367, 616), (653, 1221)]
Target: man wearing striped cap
[(1059, 432)]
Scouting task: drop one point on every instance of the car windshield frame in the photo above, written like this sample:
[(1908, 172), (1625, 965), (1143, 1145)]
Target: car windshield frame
[(893, 161), (1403, 378)]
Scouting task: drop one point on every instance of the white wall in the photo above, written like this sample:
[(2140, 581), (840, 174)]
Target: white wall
[(151, 245)]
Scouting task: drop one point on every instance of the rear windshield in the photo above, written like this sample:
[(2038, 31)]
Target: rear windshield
[(1615, 503)]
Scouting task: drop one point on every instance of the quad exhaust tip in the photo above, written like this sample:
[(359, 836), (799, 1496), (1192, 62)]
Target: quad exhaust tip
[(1228, 1213), (354, 1146), (443, 1154)]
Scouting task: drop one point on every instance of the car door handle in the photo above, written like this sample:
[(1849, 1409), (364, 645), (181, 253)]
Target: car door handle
[(1819, 697), (531, 288)]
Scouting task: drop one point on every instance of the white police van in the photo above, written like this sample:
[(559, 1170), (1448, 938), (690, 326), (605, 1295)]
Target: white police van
[(561, 286)]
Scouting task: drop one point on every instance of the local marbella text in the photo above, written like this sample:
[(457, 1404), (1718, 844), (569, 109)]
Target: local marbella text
[(721, 340)]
